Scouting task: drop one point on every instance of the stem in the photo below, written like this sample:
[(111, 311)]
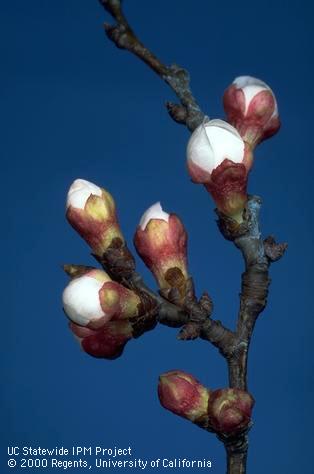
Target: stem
[(188, 112), (253, 299), (237, 369), (236, 450), (237, 456), (236, 462)]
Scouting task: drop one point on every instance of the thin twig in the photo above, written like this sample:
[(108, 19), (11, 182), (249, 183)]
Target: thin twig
[(174, 316), (123, 36)]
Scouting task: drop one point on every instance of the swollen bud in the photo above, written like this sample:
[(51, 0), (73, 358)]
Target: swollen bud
[(107, 342), (93, 299), (161, 241), (229, 410), (218, 158), (91, 212), (182, 394), (251, 107)]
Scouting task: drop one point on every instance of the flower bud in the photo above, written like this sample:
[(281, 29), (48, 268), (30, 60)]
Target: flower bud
[(91, 212), (229, 410), (182, 394), (118, 301), (93, 299), (218, 158), (107, 342), (161, 242), (251, 107)]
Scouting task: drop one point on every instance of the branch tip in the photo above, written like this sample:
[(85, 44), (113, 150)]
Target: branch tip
[(176, 77)]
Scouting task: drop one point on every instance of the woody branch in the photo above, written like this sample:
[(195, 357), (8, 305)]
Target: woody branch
[(188, 111), (127, 307)]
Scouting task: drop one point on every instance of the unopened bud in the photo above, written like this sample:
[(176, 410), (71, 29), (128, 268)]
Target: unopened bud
[(182, 394), (91, 212), (161, 241), (218, 158), (251, 106), (229, 410), (93, 299)]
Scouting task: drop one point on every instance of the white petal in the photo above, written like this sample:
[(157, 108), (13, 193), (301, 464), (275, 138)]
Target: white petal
[(81, 300), (79, 192), (153, 212), (214, 141), (225, 125), (226, 143), (244, 81), (252, 86), (199, 150)]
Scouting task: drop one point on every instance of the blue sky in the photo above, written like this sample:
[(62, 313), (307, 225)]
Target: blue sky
[(75, 106)]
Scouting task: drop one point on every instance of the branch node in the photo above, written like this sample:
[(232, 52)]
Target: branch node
[(273, 250), (189, 331), (118, 34), (206, 303), (177, 112), (177, 77), (238, 443), (230, 228)]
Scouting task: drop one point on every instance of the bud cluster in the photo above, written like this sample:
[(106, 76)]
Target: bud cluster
[(225, 411), (104, 314), (101, 312), (160, 238), (220, 154)]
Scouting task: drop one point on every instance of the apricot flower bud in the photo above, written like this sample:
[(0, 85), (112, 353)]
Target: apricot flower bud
[(93, 299), (182, 394), (218, 158), (91, 212), (229, 410), (161, 242), (251, 107), (107, 342)]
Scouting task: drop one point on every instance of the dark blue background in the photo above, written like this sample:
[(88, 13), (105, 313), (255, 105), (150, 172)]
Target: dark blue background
[(75, 106)]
